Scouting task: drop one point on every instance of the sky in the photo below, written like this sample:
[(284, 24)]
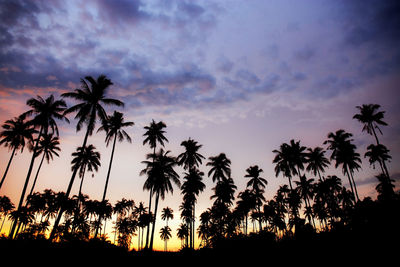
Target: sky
[(239, 77)]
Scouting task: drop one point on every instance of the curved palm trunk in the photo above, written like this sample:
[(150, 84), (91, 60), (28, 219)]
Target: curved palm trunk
[(8, 166), (154, 221), (71, 182), (106, 186), (21, 200), (354, 184), (151, 194), (350, 182), (36, 176)]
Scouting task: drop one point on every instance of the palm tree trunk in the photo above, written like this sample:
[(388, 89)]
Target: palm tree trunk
[(350, 182), (71, 182), (80, 186), (193, 226), (354, 183), (8, 166), (151, 194), (376, 137), (21, 200), (154, 222), (37, 174), (107, 179)]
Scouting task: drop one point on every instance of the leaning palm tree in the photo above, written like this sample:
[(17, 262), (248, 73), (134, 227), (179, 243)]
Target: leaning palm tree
[(220, 167), (316, 160), (91, 97), (378, 153), (154, 134), (165, 234), (160, 172), (85, 158), (45, 112), (113, 125), (343, 152), (14, 135), (49, 146), (371, 117)]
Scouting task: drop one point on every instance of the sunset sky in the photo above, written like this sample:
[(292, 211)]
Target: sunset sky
[(239, 77)]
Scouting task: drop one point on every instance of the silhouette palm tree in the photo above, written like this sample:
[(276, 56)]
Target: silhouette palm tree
[(290, 159), (154, 134), (182, 232), (224, 192), (191, 188), (378, 153), (48, 145), (343, 152), (160, 172), (165, 234), (305, 189), (14, 135), (91, 97), (385, 188), (143, 221), (220, 167), (113, 125), (45, 112), (167, 214), (316, 160), (257, 184), (190, 158), (245, 204), (85, 158), (371, 118), (6, 206)]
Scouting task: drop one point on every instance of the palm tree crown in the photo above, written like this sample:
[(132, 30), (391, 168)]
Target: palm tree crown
[(220, 167), (85, 158), (317, 162), (155, 133), (91, 95), (113, 126), (15, 133), (190, 158), (371, 118)]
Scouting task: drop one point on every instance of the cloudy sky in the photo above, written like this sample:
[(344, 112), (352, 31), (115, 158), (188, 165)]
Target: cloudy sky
[(240, 77)]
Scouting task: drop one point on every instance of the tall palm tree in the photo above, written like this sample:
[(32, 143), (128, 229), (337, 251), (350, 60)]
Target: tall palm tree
[(165, 234), (257, 184), (343, 152), (154, 134), (113, 126), (371, 117), (224, 192), (220, 167), (85, 158), (91, 97), (45, 112), (161, 174), (14, 135), (246, 202), (190, 158), (378, 153), (305, 189), (48, 145), (316, 160), (191, 188)]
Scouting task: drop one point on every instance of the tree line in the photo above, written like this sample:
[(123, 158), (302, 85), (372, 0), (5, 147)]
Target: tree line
[(314, 201)]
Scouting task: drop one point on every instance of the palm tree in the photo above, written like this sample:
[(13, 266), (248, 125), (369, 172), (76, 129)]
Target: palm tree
[(190, 158), (343, 152), (290, 160), (48, 145), (6, 206), (305, 189), (257, 184), (167, 214), (165, 234), (113, 125), (15, 132), (160, 172), (224, 192), (317, 162), (191, 188), (85, 158), (45, 112), (154, 134), (141, 211), (385, 188), (220, 167), (90, 107), (378, 153), (245, 204), (182, 232), (371, 118)]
